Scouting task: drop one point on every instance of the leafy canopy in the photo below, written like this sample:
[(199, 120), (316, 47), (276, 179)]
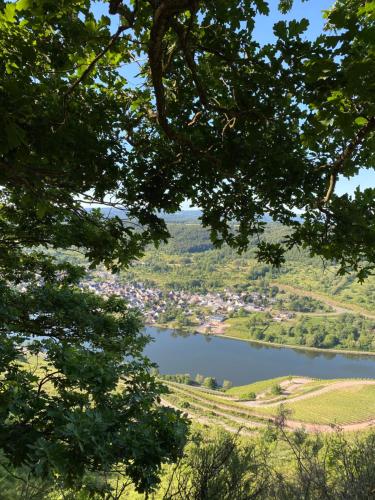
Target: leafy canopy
[(240, 129)]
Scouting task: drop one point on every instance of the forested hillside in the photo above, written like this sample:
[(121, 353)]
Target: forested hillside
[(190, 261)]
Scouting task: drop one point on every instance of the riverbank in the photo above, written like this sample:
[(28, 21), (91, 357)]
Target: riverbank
[(220, 333), (296, 347), (215, 328)]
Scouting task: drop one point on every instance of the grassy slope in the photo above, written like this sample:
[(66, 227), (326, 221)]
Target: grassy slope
[(341, 290), (237, 327), (256, 387)]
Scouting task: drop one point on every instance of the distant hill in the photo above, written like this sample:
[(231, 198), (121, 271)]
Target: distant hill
[(182, 216), (177, 217)]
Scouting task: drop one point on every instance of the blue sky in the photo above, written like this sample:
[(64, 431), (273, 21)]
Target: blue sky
[(263, 33), (311, 10)]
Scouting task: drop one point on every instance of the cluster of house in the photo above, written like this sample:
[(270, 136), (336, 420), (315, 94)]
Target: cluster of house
[(153, 302)]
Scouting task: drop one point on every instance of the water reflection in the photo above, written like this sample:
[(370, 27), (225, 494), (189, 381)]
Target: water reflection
[(244, 362)]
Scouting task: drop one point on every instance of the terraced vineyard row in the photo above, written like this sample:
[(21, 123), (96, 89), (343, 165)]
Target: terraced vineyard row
[(227, 413), (318, 403), (230, 406), (342, 406), (204, 390), (211, 416)]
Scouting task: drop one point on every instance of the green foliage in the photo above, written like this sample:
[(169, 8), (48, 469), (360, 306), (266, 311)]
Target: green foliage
[(219, 466), (249, 396), (305, 304), (181, 378), (186, 378), (227, 384), (79, 383), (331, 467), (342, 331), (310, 467), (276, 390), (210, 383), (59, 63)]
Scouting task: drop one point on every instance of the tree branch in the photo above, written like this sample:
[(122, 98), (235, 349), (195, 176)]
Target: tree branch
[(101, 54), (162, 22), (337, 165)]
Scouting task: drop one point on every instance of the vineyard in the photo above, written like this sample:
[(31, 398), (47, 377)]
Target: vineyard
[(313, 404)]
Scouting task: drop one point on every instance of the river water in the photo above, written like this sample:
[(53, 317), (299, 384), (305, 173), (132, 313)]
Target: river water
[(245, 362)]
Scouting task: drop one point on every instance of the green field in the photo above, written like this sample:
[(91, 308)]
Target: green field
[(259, 387)]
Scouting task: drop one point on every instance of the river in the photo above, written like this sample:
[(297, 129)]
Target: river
[(245, 362)]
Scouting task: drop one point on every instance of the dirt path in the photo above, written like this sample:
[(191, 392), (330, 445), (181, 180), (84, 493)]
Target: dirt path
[(358, 426), (288, 386), (331, 387)]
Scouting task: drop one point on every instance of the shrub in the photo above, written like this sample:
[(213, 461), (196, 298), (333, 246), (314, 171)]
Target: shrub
[(251, 396), (227, 384), (276, 390), (210, 383)]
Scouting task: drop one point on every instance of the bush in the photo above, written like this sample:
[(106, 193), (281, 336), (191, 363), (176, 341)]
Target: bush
[(210, 383), (276, 390), (219, 467), (180, 378), (250, 396), (227, 384)]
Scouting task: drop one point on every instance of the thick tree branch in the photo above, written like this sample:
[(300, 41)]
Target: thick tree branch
[(163, 16), (189, 58)]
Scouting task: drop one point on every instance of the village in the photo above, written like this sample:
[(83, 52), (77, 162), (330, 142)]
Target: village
[(211, 308)]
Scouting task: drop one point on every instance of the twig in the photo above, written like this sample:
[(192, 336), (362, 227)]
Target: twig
[(101, 54)]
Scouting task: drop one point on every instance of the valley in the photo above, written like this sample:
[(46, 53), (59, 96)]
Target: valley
[(306, 329), (190, 285)]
